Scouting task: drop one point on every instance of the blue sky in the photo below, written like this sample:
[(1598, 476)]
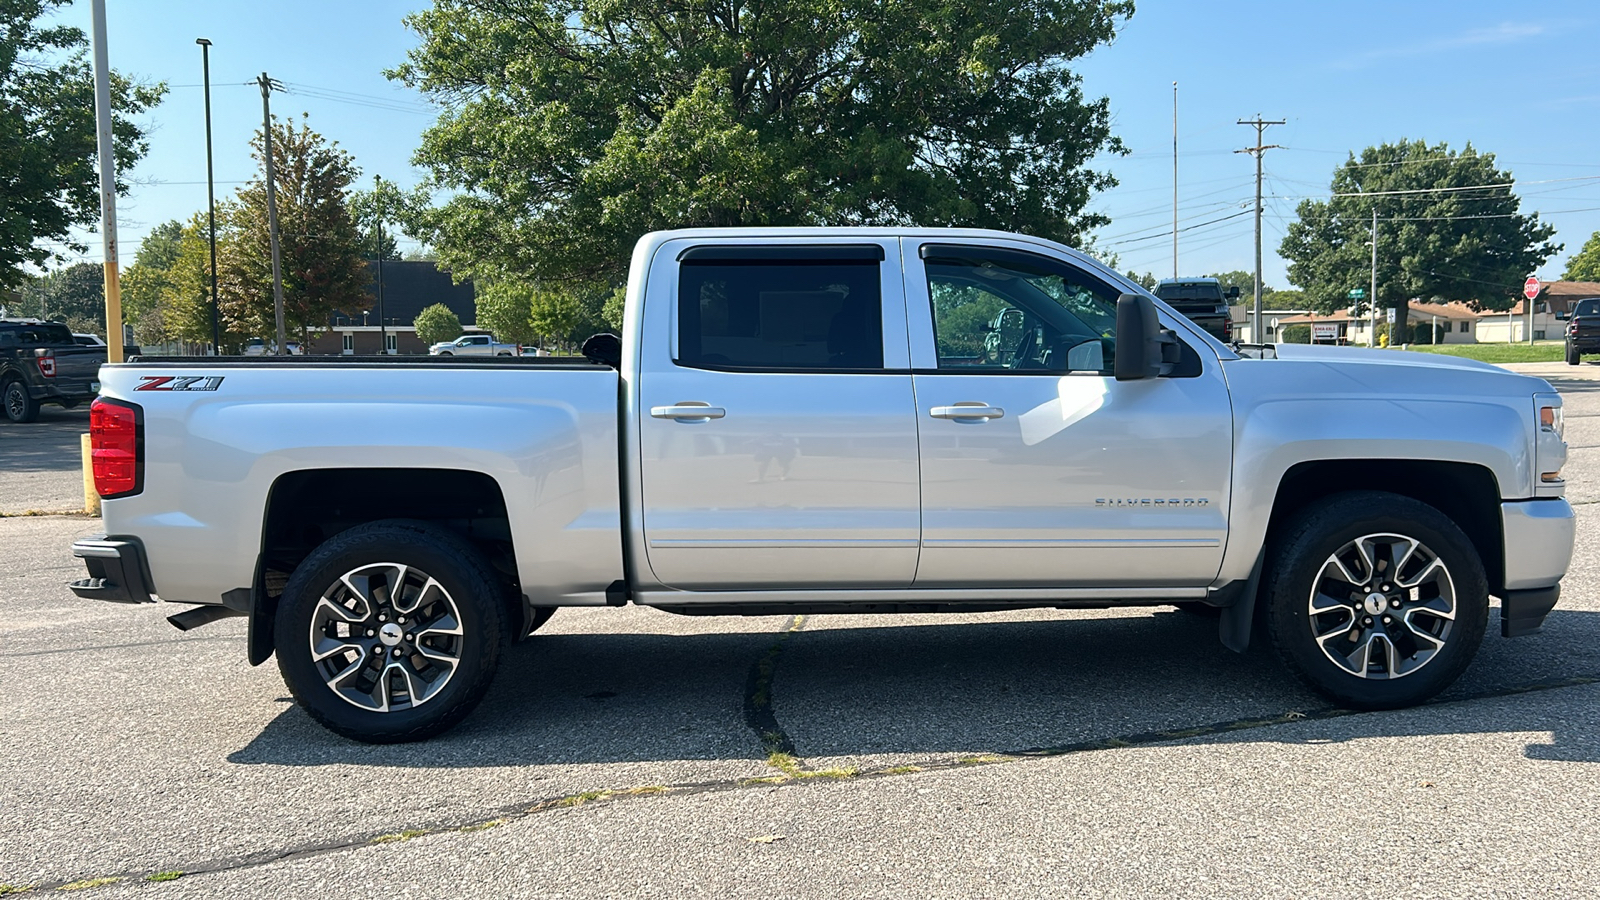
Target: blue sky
[(1519, 80)]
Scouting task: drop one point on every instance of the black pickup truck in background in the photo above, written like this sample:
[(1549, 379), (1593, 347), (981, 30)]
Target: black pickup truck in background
[(1583, 330), (40, 363), (1202, 301)]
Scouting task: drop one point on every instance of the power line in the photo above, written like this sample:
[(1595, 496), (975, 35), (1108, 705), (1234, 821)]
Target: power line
[(1258, 151), (1168, 233)]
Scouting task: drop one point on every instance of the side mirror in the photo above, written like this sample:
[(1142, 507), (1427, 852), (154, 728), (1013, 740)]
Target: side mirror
[(1144, 348), (1561, 317), (1233, 293)]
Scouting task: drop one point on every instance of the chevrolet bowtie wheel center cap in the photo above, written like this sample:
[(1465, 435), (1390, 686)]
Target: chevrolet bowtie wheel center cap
[(1374, 604), (391, 633)]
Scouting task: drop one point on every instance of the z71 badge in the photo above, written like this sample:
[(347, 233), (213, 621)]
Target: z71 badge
[(179, 383)]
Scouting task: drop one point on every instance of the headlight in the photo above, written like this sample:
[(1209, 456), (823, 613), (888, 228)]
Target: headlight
[(1551, 419)]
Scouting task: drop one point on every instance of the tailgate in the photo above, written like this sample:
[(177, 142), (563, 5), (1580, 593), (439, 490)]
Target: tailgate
[(79, 363)]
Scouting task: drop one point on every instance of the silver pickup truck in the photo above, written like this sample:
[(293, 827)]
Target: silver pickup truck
[(834, 420)]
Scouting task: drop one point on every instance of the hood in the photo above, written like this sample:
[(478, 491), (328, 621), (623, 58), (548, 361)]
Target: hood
[(1388, 369)]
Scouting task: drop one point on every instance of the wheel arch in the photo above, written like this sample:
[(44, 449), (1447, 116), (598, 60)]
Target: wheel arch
[(1466, 493), (306, 507)]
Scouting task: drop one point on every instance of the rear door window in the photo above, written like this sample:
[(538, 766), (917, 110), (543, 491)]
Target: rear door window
[(813, 308)]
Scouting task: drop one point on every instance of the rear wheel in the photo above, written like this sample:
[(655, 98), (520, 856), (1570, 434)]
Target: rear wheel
[(1573, 356), (1375, 600), (446, 353), (391, 631), (19, 405)]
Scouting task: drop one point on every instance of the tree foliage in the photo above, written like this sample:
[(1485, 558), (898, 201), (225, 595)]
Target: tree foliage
[(74, 294), (48, 162), (1448, 229), (321, 248), (1585, 265), (570, 127), (505, 310), (376, 210), (437, 323)]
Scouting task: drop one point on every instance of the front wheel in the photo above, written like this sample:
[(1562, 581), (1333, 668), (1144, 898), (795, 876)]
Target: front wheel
[(19, 404), (391, 631), (1375, 600), (446, 353)]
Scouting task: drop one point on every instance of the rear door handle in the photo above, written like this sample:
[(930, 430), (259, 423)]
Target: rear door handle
[(688, 411), (967, 410)]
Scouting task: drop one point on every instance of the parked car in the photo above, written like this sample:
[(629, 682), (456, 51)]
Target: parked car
[(1583, 330), (810, 421), (259, 347), (473, 345), (87, 340), (41, 362), (1203, 301)]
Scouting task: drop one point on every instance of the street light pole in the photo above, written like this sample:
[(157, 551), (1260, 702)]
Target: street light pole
[(211, 195), (383, 324)]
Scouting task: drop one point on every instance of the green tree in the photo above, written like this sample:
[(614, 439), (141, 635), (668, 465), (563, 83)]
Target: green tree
[(75, 295), (1296, 334), (146, 280), (505, 309), (1585, 266), (376, 210), (569, 128), (437, 323), (48, 165), (569, 313), (1146, 281), (1449, 229), (323, 269), (1245, 282)]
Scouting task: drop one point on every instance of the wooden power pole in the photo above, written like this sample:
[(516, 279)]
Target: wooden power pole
[(267, 87), (1257, 151)]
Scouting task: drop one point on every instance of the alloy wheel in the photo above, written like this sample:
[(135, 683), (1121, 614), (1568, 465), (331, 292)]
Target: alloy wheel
[(1382, 606), (386, 637)]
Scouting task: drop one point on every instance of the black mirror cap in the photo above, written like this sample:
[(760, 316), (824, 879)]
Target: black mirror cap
[(605, 349), (1139, 352), (1233, 293)]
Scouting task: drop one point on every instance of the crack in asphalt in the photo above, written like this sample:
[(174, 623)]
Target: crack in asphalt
[(758, 711), (93, 647)]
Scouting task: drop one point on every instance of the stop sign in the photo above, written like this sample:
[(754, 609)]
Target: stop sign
[(1531, 287)]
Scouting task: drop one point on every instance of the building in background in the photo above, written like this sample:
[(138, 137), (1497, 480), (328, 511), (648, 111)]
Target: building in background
[(408, 287)]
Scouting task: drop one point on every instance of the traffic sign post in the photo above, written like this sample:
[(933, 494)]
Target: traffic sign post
[(1530, 290)]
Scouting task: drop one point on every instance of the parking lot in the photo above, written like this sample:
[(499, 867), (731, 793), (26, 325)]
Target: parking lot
[(632, 752)]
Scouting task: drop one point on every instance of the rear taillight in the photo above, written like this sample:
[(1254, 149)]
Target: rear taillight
[(116, 443), (47, 364)]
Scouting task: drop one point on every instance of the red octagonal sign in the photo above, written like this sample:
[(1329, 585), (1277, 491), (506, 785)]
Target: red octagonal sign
[(1531, 287)]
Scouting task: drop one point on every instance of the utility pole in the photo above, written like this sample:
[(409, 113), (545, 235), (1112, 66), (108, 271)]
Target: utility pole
[(267, 87), (1372, 298), (1258, 151), (383, 327), (1175, 179), (108, 182), (211, 195)]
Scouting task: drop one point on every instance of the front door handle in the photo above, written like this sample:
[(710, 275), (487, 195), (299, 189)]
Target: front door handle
[(967, 409), (688, 411)]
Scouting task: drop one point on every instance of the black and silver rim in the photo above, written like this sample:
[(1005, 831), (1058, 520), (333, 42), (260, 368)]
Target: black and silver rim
[(16, 400), (1382, 606), (386, 637)]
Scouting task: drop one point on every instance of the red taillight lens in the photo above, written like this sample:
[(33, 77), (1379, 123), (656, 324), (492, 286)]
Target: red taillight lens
[(47, 366), (116, 443)]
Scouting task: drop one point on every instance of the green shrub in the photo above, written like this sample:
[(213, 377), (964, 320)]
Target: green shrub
[(1294, 334)]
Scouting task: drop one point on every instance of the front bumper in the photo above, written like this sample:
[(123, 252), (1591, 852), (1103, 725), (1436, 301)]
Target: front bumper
[(1539, 536), (118, 571)]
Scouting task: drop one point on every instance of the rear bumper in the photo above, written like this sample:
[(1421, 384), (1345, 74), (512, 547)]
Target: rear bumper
[(56, 391), (118, 570)]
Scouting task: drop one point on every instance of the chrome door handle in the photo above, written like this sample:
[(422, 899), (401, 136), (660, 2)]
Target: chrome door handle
[(967, 410), (690, 412)]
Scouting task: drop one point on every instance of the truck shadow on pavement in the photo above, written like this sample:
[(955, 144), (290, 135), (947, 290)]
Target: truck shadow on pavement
[(843, 691)]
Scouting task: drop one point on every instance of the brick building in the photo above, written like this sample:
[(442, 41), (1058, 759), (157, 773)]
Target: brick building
[(408, 287)]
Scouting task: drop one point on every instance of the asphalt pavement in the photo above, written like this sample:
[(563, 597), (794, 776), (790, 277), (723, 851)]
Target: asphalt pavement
[(40, 462), (628, 752)]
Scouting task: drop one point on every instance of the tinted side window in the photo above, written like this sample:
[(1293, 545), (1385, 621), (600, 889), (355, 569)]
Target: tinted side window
[(1005, 311), (780, 314)]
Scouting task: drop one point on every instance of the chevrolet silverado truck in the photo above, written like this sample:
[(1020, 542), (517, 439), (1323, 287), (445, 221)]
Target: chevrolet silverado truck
[(41, 362), (837, 420)]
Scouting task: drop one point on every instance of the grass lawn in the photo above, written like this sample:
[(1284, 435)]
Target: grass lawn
[(1541, 351)]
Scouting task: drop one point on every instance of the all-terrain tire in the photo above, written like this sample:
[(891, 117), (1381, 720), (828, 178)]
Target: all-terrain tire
[(457, 609), (1303, 552), (20, 407)]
